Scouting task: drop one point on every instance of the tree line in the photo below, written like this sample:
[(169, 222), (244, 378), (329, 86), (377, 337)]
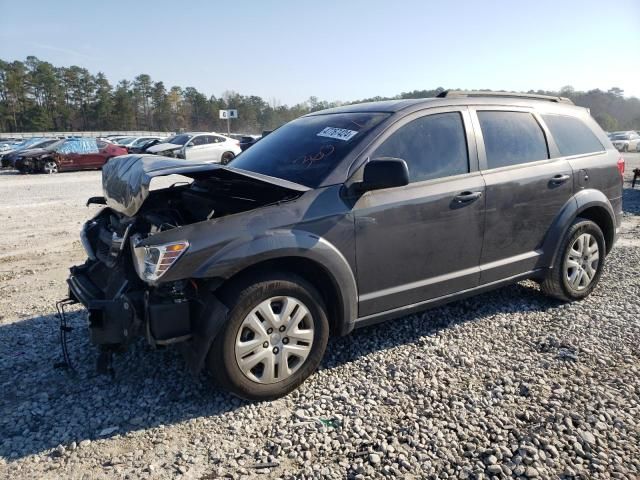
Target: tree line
[(38, 96)]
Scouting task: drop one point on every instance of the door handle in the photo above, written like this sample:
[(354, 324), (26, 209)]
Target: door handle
[(560, 179), (466, 197)]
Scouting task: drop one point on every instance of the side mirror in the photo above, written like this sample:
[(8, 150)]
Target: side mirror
[(384, 172), (189, 145)]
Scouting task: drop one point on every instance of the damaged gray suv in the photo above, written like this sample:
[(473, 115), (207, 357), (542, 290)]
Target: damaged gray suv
[(343, 218)]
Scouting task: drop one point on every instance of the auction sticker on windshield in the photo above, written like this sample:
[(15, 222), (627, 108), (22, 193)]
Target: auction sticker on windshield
[(337, 133)]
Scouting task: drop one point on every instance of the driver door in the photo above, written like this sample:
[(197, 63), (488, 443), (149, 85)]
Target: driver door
[(196, 149), (424, 240)]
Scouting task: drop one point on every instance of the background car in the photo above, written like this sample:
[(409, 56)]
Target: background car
[(209, 147), (130, 142), (141, 147), (626, 141), (247, 140), (71, 154), (21, 145), (9, 159)]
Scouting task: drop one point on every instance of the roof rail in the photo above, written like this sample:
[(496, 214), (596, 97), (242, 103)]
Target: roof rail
[(480, 93)]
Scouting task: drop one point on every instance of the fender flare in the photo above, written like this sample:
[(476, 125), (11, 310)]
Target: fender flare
[(572, 209), (242, 254)]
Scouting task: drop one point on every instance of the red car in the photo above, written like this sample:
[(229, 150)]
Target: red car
[(71, 154), (87, 159)]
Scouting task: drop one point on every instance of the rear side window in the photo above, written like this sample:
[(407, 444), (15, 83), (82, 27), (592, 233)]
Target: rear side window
[(572, 136), (434, 146), (512, 138)]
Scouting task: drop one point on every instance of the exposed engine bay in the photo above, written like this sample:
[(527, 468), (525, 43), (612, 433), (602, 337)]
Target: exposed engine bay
[(119, 283)]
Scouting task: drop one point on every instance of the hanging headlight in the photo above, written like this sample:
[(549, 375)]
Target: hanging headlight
[(153, 261)]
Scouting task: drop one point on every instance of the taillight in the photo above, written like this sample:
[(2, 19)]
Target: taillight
[(621, 166)]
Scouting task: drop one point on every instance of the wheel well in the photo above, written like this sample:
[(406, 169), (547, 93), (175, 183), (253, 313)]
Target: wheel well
[(312, 272), (601, 217)]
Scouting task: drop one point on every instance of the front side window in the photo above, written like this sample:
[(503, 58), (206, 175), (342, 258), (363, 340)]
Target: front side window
[(512, 138), (199, 140), (434, 146), (572, 136), (308, 149)]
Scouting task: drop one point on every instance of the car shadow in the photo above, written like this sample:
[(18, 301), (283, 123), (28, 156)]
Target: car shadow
[(631, 200), (42, 406)]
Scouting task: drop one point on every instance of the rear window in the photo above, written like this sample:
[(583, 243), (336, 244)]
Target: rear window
[(512, 138), (306, 150), (572, 136)]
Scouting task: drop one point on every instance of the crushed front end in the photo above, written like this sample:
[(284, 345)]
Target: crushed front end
[(127, 283), (121, 305)]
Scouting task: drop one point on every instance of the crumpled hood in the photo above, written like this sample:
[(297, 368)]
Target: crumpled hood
[(126, 179), (163, 147)]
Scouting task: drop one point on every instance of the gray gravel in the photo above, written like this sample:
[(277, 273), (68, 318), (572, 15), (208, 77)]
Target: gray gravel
[(506, 384)]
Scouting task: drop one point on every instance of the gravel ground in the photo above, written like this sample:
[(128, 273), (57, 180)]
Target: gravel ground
[(508, 383)]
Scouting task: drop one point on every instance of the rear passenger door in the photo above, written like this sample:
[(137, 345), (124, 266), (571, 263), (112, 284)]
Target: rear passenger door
[(525, 189), (421, 241)]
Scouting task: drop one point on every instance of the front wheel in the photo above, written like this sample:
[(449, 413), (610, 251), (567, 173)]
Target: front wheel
[(275, 336), (50, 167), (579, 264)]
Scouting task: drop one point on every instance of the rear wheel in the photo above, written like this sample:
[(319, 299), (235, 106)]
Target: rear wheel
[(50, 166), (226, 157), (579, 264), (275, 336)]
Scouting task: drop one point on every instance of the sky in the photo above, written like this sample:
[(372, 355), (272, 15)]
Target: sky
[(287, 51)]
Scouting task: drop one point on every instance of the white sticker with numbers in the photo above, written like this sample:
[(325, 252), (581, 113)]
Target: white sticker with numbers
[(337, 133)]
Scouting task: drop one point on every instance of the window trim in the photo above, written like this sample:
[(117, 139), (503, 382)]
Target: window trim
[(552, 149), (472, 153)]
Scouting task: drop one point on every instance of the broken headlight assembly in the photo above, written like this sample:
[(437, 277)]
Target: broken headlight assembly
[(153, 261)]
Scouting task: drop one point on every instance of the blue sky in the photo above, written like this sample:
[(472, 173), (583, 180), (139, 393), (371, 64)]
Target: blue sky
[(336, 50)]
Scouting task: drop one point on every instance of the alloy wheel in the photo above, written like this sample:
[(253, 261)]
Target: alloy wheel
[(581, 264), (274, 340), (50, 167)]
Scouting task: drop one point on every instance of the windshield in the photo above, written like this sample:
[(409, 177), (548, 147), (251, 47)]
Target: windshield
[(621, 137), (23, 145), (306, 150), (141, 141), (125, 140), (55, 145), (179, 139)]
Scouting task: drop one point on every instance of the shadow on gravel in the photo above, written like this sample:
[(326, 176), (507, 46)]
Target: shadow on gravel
[(631, 200), (42, 407)]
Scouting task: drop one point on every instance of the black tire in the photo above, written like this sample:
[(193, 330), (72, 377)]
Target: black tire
[(556, 284), (625, 148), (227, 157), (241, 298)]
